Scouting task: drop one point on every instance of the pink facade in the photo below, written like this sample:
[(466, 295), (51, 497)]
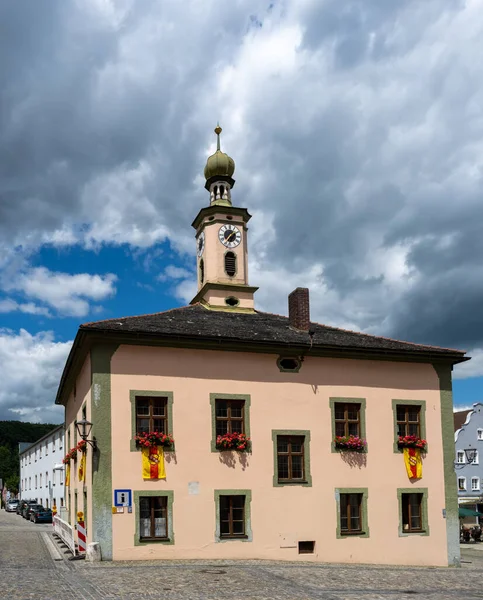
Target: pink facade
[(280, 516)]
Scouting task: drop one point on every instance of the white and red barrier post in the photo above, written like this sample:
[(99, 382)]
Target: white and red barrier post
[(81, 532)]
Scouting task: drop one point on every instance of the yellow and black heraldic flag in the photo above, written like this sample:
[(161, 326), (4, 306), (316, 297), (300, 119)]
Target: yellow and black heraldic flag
[(153, 463), (81, 475), (413, 462), (67, 474)]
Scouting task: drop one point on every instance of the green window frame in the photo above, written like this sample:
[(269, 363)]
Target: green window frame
[(133, 394), (362, 418), (246, 414), (307, 482), (364, 533), (169, 495), (422, 419), (248, 536), (424, 510)]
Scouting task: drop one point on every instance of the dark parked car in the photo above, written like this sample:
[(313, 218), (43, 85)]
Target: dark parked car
[(11, 505), (40, 515), (27, 507)]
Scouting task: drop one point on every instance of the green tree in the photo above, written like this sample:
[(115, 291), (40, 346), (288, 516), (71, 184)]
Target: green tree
[(6, 466), (12, 483)]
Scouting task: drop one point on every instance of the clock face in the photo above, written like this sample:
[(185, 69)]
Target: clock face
[(229, 236), (200, 243)]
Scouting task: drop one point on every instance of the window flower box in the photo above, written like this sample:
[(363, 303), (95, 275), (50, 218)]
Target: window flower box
[(350, 443), (82, 446), (71, 455), (411, 441), (233, 441), (154, 438)]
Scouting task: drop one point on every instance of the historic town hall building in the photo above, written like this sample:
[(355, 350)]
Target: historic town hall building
[(225, 432)]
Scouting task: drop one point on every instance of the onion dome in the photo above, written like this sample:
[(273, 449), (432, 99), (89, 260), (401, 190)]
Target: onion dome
[(219, 164)]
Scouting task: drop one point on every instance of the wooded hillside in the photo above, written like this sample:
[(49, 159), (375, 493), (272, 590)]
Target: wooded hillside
[(11, 433)]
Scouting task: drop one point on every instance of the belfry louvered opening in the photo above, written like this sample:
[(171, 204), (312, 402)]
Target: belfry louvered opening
[(202, 271), (230, 264)]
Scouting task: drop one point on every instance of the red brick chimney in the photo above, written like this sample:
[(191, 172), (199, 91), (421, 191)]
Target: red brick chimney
[(299, 309)]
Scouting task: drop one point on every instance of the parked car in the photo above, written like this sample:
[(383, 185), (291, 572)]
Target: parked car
[(11, 506), (27, 507), (40, 515), (21, 505)]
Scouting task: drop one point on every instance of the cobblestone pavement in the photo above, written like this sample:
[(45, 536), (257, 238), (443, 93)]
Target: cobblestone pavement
[(28, 572)]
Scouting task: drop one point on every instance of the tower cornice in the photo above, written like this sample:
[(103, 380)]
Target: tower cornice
[(210, 211)]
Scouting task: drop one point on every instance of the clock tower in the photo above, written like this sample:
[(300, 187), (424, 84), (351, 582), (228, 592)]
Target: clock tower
[(221, 241)]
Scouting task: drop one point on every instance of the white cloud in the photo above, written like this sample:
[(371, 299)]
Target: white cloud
[(31, 370), (173, 272), (471, 368), (69, 294), (8, 305)]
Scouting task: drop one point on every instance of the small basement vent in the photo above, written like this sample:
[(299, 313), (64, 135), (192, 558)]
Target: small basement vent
[(306, 547), (230, 264)]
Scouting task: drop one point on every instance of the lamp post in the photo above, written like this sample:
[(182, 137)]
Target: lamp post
[(84, 429), (470, 454), (470, 457)]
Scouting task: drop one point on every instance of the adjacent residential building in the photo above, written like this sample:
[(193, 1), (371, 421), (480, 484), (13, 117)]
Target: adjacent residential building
[(219, 369), (469, 444), (42, 470)]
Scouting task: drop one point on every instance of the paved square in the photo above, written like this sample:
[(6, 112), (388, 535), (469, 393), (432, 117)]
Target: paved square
[(27, 571)]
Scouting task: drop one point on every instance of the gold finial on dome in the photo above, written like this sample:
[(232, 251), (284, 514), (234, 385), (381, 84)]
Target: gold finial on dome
[(218, 130), (219, 163)]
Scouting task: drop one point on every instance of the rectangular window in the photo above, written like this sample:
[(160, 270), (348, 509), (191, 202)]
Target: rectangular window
[(153, 518), (151, 414), (46, 448), (290, 458), (347, 419), (40, 479), (479, 434), (412, 517), (40, 451), (53, 478), (476, 458), (408, 420), (36, 481), (350, 514), (30, 483), (462, 483), (53, 443), (229, 416), (460, 457), (232, 516), (475, 484)]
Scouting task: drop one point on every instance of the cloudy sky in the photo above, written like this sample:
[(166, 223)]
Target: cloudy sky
[(356, 128)]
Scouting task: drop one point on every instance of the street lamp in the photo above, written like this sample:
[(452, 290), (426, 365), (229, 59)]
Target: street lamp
[(470, 454), (470, 457), (83, 429)]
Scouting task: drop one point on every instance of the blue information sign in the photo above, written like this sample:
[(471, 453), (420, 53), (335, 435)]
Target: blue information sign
[(122, 498)]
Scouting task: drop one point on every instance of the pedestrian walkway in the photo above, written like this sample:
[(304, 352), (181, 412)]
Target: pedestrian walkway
[(28, 571)]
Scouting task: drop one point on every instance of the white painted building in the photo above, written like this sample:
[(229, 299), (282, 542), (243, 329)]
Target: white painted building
[(42, 470)]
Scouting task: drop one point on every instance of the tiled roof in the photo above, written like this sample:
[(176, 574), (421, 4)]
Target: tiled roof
[(197, 322)]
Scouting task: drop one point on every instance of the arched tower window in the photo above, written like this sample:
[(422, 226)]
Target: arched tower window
[(202, 270), (230, 264)]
